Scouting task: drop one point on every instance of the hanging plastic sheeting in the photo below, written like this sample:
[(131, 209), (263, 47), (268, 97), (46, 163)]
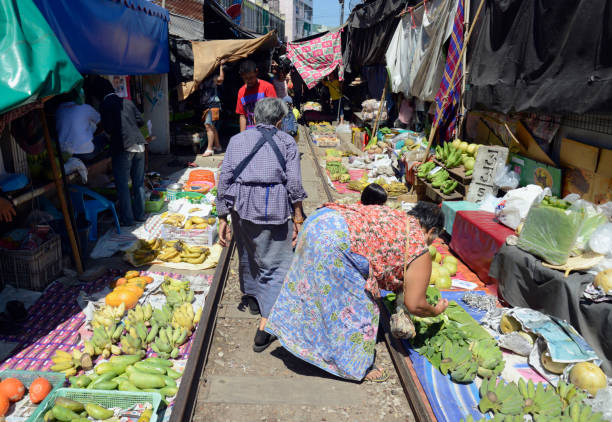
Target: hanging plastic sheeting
[(108, 37), (550, 57), (317, 58), (415, 57), (34, 63)]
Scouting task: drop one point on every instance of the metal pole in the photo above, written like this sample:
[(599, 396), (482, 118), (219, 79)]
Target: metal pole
[(341, 12)]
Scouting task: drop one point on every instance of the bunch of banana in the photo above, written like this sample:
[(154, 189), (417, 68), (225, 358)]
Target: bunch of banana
[(162, 316), (198, 223), (183, 317), (538, 400), (396, 189), (489, 358), (146, 251), (569, 394), (69, 363), (168, 341), (103, 341), (176, 299), (107, 316), (135, 339), (175, 220), (174, 284), (139, 314), (500, 397), (178, 251)]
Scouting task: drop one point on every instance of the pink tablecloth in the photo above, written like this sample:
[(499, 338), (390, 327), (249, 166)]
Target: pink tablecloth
[(477, 236)]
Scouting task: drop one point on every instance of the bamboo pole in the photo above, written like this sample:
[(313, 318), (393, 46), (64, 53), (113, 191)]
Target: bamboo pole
[(434, 127), (57, 172), (380, 106)]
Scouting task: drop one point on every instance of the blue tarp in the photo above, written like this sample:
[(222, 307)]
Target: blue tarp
[(111, 37)]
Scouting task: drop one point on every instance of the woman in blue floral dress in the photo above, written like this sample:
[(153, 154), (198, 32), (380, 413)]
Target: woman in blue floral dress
[(326, 313)]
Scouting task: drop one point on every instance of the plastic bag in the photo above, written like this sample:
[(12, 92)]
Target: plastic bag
[(601, 240), (592, 220), (550, 233), (489, 203), (515, 205), (506, 178)]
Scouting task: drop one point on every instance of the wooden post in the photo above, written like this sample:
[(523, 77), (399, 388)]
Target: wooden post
[(380, 106), (434, 127), (61, 194)]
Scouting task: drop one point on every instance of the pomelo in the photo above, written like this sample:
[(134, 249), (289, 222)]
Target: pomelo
[(443, 282)]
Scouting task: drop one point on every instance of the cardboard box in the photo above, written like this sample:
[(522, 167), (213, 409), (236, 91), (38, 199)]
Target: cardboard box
[(605, 163), (532, 172), (578, 155), (593, 187)]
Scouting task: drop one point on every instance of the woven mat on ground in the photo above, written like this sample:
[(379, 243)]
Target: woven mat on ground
[(449, 401), (54, 322)]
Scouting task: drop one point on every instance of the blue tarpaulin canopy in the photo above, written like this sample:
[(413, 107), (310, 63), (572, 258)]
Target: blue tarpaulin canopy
[(111, 37)]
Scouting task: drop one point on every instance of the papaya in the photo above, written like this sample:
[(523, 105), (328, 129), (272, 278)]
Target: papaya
[(70, 404), (101, 378), (127, 386), (63, 414), (150, 368), (169, 381), (98, 412), (173, 374), (132, 274), (143, 380), (159, 362), (106, 385), (168, 391), (106, 367), (125, 359)]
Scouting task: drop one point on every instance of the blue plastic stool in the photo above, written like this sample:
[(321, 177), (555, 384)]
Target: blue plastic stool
[(91, 207)]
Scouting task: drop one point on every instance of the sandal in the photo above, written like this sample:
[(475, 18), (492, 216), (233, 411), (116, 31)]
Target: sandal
[(208, 153), (384, 376)]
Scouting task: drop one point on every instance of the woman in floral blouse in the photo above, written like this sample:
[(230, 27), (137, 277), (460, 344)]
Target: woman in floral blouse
[(326, 313)]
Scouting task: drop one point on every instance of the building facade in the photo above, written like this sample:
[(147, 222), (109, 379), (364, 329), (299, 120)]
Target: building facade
[(298, 18), (258, 16)]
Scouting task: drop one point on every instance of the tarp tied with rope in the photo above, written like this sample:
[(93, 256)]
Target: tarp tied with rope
[(207, 56), (316, 58)]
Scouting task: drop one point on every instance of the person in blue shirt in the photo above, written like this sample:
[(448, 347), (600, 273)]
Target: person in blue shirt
[(289, 124)]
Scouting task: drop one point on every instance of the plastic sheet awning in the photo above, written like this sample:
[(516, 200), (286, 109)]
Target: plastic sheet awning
[(111, 37), (33, 64)]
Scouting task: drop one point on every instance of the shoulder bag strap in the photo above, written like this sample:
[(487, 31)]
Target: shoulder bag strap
[(270, 138), (245, 162)]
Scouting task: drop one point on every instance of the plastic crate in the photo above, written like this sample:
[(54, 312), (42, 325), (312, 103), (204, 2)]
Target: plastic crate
[(196, 237), (24, 407), (193, 197), (32, 269), (104, 398)]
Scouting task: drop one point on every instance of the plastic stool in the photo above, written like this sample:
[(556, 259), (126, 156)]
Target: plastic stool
[(91, 207)]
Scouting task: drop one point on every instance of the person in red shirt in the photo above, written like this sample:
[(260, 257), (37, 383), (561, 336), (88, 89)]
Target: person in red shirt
[(253, 90)]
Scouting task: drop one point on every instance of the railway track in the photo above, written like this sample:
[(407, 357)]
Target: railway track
[(185, 408)]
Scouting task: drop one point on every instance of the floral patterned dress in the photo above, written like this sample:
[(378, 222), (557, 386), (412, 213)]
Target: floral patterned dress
[(325, 313)]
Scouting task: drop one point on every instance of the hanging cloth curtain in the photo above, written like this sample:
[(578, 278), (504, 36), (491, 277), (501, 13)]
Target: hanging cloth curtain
[(415, 58), (448, 105), (315, 59)]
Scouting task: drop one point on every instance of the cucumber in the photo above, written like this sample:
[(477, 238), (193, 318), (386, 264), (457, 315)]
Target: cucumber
[(144, 380), (150, 368), (63, 414), (70, 404), (106, 385), (173, 374), (98, 412), (159, 362)]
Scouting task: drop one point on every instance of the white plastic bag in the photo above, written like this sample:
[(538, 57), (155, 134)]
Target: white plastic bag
[(489, 203), (506, 178), (601, 240), (515, 205)]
